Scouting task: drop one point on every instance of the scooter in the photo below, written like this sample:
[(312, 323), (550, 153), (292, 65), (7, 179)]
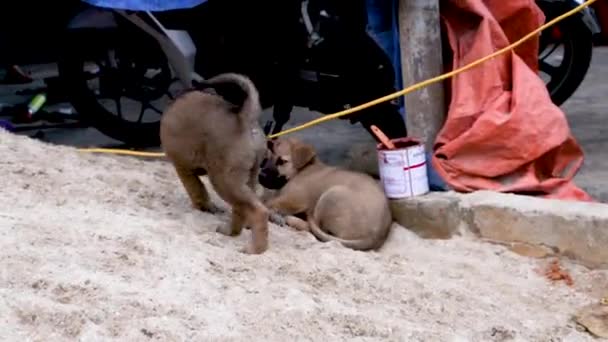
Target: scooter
[(118, 68)]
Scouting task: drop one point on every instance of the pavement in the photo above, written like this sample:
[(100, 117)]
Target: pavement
[(586, 111), (587, 114), (530, 226)]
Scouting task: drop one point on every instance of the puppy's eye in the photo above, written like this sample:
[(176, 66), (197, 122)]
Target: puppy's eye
[(280, 161)]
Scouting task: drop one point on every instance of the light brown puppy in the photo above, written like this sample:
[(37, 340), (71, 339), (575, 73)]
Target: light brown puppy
[(203, 133), (340, 205)]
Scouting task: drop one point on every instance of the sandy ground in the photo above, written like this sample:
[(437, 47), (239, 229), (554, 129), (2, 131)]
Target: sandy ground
[(93, 255)]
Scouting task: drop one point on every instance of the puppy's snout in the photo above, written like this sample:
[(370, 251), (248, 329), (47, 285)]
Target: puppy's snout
[(269, 177), (268, 172), (270, 145)]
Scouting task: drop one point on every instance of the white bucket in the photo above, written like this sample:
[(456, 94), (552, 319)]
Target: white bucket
[(403, 170)]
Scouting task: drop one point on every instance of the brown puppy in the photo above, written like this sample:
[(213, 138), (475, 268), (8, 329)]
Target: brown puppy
[(201, 132), (340, 205)]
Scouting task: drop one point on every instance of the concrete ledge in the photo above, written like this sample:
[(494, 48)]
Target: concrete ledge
[(530, 226)]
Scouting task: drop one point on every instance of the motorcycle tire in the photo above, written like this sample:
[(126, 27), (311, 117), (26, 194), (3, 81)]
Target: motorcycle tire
[(577, 42)]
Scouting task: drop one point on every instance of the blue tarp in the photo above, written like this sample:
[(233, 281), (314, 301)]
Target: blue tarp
[(383, 27), (146, 5)]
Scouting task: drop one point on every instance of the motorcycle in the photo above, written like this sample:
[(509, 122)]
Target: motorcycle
[(110, 58), (317, 54)]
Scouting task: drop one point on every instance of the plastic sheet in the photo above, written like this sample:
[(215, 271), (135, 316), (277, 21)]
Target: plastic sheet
[(502, 132)]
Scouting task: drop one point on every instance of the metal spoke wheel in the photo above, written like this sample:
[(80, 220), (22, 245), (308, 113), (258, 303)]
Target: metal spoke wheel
[(120, 83)]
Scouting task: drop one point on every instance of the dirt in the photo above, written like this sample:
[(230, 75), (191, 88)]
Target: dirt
[(108, 248)]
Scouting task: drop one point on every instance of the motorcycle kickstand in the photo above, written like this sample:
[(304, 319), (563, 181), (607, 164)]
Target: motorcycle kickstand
[(281, 114)]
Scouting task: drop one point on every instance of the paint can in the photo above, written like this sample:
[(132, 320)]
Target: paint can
[(403, 170)]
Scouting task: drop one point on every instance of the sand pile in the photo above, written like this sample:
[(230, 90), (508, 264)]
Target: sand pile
[(101, 247)]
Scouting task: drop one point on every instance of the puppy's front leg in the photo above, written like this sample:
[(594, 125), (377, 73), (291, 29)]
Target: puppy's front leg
[(252, 181), (297, 223), (285, 205), (195, 189)]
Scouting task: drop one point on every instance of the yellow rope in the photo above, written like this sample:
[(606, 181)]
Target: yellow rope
[(438, 78), (390, 96), (122, 151)]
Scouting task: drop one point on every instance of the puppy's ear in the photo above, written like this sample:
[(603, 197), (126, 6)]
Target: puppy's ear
[(302, 154)]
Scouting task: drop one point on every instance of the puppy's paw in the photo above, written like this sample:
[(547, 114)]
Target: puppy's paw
[(209, 208), (226, 229), (277, 219), (253, 250), (297, 223)]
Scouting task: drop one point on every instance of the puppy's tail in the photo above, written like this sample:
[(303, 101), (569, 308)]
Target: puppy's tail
[(358, 244), (237, 89)]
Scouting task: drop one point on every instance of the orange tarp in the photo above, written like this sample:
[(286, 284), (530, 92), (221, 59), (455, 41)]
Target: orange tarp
[(502, 131)]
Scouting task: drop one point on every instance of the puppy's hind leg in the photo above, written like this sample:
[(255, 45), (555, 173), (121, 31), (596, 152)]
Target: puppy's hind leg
[(195, 189), (257, 217), (236, 224), (245, 202), (252, 181)]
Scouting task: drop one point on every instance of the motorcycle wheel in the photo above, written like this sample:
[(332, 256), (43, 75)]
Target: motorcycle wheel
[(117, 88), (575, 41)]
